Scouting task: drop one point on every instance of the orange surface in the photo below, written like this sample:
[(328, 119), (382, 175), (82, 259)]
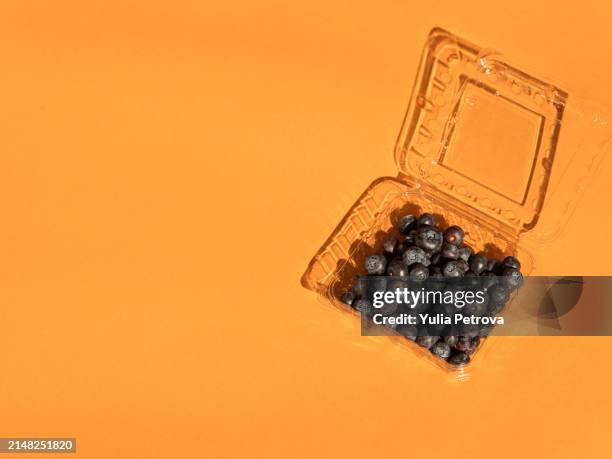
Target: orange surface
[(167, 171)]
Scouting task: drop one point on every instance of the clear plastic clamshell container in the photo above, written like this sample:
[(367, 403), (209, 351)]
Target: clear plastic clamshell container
[(484, 145)]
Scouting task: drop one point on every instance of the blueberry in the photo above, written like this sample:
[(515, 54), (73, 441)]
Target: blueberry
[(436, 258), (474, 342), (463, 344), (426, 219), (454, 235), (427, 341), (411, 237), (409, 241), (376, 264), (407, 223), (393, 283), (441, 349), (498, 294), (451, 340), (493, 266), (390, 245), (471, 331), (415, 255), (388, 309), (418, 272), (489, 280), (452, 269), (450, 251), (512, 278), (511, 262), (478, 263), (463, 265), (397, 267), (435, 281), (465, 253), (363, 306), (403, 245), (471, 280), (476, 308), (435, 271), (372, 284), (358, 287), (348, 297), (429, 238), (459, 358)]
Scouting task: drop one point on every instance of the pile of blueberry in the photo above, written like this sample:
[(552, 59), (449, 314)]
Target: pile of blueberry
[(424, 251)]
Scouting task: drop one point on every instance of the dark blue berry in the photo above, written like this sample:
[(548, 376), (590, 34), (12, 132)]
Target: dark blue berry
[(427, 341), (429, 238), (390, 245), (426, 219), (372, 284), (465, 253), (472, 280), (489, 280), (459, 358), (363, 306), (407, 223), (474, 342), (467, 344), (397, 268), (376, 264), (452, 269), (436, 258), (408, 241), (402, 246), (411, 237), (454, 235), (451, 340), (511, 262), (498, 294), (388, 309), (348, 297), (463, 265), (512, 278), (478, 263), (493, 266), (358, 287), (450, 251), (415, 255), (418, 272), (441, 349)]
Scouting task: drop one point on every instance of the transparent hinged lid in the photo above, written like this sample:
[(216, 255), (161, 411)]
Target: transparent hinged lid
[(507, 145), (484, 145)]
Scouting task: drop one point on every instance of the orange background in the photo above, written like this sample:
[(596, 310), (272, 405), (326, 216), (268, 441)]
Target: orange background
[(167, 171)]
